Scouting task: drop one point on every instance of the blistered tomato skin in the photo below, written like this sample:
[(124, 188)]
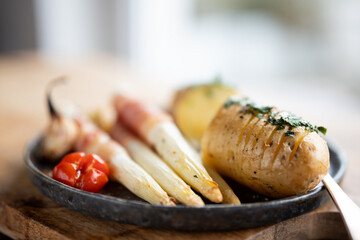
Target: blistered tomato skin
[(73, 158), (96, 162), (65, 173), (92, 181), (88, 173)]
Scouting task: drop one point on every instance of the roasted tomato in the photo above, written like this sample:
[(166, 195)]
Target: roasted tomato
[(89, 173)]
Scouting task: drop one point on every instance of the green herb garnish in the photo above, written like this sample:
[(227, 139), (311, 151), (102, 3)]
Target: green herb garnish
[(289, 134), (284, 118), (280, 127), (231, 102), (279, 119), (321, 129), (195, 176)]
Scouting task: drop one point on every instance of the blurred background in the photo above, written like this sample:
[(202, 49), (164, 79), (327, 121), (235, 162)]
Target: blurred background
[(185, 40)]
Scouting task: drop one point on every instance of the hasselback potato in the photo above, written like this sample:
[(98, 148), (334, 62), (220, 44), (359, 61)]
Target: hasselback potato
[(270, 151)]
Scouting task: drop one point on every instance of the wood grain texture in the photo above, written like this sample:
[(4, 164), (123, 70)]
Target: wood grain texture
[(27, 214), (315, 225)]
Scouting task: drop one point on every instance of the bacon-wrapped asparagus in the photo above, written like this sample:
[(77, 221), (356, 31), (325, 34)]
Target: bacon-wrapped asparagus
[(158, 129), (80, 134)]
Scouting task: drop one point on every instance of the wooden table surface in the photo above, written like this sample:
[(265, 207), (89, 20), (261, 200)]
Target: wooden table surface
[(25, 213)]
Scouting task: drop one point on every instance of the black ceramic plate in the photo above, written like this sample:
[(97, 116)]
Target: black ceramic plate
[(116, 203)]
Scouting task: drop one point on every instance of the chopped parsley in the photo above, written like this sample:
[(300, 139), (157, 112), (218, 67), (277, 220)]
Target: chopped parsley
[(289, 134), (279, 119), (195, 176), (280, 127), (284, 118), (230, 102), (321, 129)]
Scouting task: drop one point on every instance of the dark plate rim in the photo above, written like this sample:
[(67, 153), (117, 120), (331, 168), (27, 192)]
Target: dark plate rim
[(337, 177)]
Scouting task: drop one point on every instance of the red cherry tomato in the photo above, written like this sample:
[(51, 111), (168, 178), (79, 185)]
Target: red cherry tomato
[(66, 173), (92, 181), (89, 173), (94, 161)]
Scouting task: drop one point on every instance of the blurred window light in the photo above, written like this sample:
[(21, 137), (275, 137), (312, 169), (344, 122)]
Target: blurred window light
[(250, 41)]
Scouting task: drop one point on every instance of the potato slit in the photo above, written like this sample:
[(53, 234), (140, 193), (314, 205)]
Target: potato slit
[(250, 132), (268, 141), (282, 140), (243, 130), (227, 148), (296, 146), (257, 136), (248, 136)]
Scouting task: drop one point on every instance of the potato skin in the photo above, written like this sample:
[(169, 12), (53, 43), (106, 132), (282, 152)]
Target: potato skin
[(254, 153), (194, 107)]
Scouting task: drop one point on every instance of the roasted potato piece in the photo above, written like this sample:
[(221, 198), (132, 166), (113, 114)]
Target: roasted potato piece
[(194, 107), (271, 152)]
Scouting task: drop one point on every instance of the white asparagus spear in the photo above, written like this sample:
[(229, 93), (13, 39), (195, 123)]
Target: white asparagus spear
[(157, 128), (161, 172), (229, 197), (174, 149), (122, 167), (86, 137)]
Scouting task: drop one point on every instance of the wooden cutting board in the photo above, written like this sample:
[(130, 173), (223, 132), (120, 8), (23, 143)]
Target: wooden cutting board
[(27, 214)]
